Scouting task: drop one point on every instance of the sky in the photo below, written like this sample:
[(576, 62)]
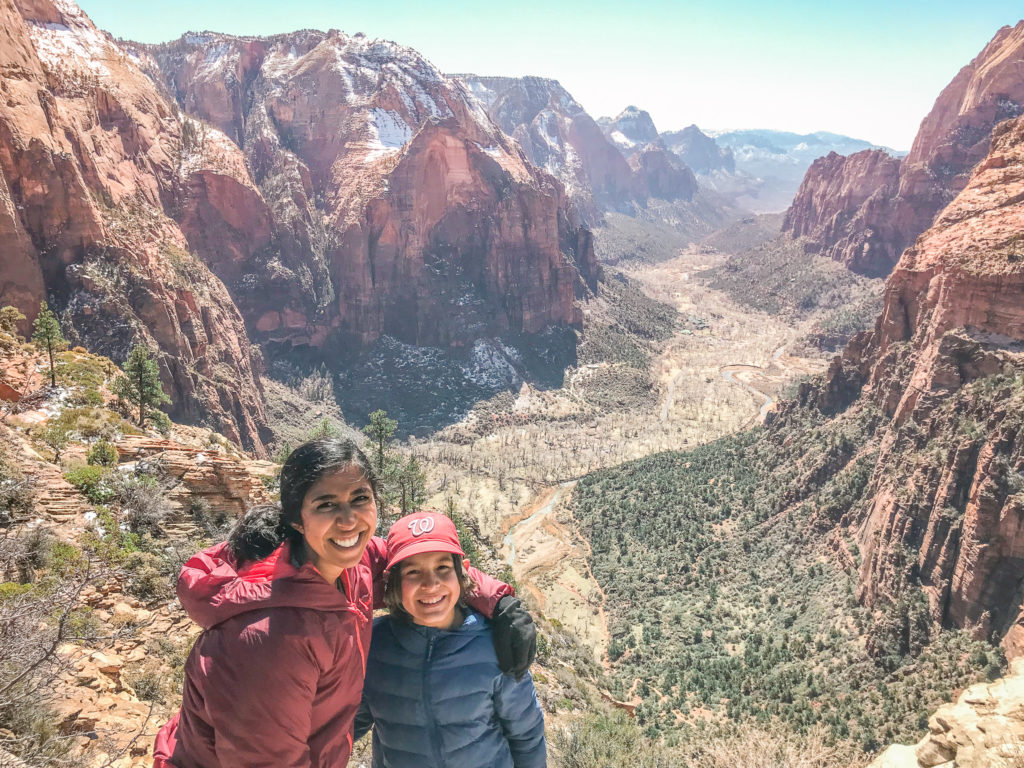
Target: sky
[(871, 70)]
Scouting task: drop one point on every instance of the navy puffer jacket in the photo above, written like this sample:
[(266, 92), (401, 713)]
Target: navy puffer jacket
[(438, 700)]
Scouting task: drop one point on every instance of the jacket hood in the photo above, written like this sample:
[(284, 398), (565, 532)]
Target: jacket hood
[(212, 589)]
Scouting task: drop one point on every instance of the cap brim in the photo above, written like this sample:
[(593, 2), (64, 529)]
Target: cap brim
[(419, 547)]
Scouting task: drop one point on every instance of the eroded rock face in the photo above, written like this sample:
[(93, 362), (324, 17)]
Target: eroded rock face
[(92, 168), (946, 363), (982, 729), (699, 151), (952, 139), (559, 136), (396, 206), (844, 206)]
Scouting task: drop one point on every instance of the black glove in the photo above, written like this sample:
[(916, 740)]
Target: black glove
[(515, 637)]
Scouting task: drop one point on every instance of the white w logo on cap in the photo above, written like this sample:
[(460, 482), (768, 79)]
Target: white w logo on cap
[(421, 525)]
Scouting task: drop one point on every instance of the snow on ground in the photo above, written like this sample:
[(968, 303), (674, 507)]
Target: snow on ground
[(490, 365)]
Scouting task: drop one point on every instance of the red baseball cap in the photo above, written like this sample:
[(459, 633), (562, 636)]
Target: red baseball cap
[(422, 532)]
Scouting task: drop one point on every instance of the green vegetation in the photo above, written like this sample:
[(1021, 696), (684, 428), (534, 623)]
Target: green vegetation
[(102, 454), (381, 431), (10, 317), (624, 324), (140, 383), (726, 605), (46, 334), (778, 277)]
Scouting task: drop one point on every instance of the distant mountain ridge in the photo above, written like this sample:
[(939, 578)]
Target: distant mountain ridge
[(779, 160), (867, 223)]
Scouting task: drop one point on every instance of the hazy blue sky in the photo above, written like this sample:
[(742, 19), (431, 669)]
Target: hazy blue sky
[(870, 70)]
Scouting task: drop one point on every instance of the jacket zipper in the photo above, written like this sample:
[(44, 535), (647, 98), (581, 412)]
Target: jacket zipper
[(435, 739)]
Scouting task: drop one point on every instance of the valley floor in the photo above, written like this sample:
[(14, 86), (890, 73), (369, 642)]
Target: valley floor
[(512, 468)]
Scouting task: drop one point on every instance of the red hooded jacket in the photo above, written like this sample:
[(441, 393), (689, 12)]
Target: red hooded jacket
[(277, 676)]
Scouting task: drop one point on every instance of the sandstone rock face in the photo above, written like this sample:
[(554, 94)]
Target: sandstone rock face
[(984, 728), (662, 174), (559, 136), (92, 167), (952, 139), (945, 362), (395, 205), (844, 206)]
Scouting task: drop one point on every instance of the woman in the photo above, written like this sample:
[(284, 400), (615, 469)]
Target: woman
[(286, 606)]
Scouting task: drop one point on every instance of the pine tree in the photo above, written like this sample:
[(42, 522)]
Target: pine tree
[(46, 333), (413, 483), (381, 430), (140, 383)]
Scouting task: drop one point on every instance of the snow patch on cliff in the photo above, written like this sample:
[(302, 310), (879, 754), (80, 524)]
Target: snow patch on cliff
[(388, 133), (76, 44)]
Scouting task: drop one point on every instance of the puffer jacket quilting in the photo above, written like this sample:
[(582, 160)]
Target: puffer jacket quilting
[(438, 700)]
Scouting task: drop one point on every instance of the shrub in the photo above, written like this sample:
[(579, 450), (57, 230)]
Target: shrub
[(93, 482), (102, 454), (147, 578), (16, 497), (141, 502), (161, 422)]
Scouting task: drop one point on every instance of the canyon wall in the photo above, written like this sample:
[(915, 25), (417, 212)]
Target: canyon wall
[(396, 206), (869, 236), (92, 168)]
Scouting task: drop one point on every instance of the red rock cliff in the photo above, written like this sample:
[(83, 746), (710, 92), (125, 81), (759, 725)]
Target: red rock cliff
[(92, 164), (398, 207), (952, 139), (844, 206), (946, 363)]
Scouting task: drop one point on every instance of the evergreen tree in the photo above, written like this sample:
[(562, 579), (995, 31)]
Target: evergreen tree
[(381, 430), (9, 319), (46, 333), (413, 485), (140, 384)]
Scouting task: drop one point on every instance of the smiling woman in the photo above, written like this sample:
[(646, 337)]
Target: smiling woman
[(286, 605)]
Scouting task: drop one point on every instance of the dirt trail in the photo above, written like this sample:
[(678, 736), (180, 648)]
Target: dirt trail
[(550, 561)]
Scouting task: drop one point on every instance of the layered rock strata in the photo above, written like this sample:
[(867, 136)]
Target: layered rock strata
[(844, 204), (952, 139), (945, 364), (93, 162), (396, 206)]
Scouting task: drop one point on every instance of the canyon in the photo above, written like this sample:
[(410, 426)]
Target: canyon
[(858, 212), (729, 521)]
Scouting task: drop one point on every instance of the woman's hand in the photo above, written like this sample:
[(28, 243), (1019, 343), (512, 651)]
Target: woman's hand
[(515, 637)]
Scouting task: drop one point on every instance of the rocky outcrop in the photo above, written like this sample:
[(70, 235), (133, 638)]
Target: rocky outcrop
[(945, 363), (630, 130), (558, 135), (984, 728), (699, 151), (396, 206), (92, 170), (662, 174), (844, 206), (952, 139)]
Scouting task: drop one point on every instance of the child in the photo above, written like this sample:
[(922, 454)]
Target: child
[(276, 677), (433, 691)]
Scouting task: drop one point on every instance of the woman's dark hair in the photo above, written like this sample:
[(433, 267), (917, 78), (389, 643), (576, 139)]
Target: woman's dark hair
[(265, 527), (393, 588)]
